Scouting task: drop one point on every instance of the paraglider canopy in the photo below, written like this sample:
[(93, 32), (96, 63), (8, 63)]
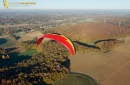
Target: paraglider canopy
[(60, 38)]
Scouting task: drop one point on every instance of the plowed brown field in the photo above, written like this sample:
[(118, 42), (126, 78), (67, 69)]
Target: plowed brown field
[(112, 68)]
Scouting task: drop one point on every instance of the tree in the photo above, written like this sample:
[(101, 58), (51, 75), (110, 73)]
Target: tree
[(7, 57), (3, 57)]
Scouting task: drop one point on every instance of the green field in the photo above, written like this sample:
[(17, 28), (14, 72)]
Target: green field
[(17, 57), (76, 79), (7, 42)]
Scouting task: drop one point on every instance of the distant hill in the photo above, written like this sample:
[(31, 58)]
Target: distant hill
[(91, 32)]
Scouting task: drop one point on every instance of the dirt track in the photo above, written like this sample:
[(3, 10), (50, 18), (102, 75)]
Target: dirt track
[(112, 68)]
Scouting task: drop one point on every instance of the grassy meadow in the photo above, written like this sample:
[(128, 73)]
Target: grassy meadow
[(76, 79), (7, 42)]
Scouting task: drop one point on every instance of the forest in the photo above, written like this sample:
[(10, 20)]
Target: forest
[(42, 68)]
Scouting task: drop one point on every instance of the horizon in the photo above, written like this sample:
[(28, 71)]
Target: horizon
[(65, 9), (73, 4)]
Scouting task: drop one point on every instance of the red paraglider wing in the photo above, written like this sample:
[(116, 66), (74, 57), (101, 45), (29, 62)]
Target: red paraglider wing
[(39, 40), (60, 38)]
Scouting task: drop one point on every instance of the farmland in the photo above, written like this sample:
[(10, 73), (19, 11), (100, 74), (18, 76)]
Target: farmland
[(91, 32), (23, 37), (28, 36), (17, 53), (5, 41), (101, 40), (76, 79), (34, 34), (110, 68), (103, 67)]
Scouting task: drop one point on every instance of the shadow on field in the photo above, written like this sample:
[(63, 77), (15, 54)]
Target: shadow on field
[(84, 44), (15, 57), (104, 40), (11, 49), (67, 64), (2, 41), (17, 37)]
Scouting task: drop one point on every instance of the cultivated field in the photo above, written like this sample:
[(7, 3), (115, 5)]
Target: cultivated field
[(28, 36), (91, 32), (76, 79), (23, 37), (37, 34), (11, 45), (34, 34), (112, 68)]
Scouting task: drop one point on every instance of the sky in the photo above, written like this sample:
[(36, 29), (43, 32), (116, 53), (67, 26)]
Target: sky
[(72, 4)]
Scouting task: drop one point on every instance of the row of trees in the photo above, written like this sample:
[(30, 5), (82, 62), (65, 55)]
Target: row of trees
[(107, 45), (99, 46), (85, 48), (3, 54), (2, 51)]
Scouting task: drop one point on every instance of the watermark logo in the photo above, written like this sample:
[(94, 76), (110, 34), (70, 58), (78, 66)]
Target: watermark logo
[(17, 4), (6, 5)]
